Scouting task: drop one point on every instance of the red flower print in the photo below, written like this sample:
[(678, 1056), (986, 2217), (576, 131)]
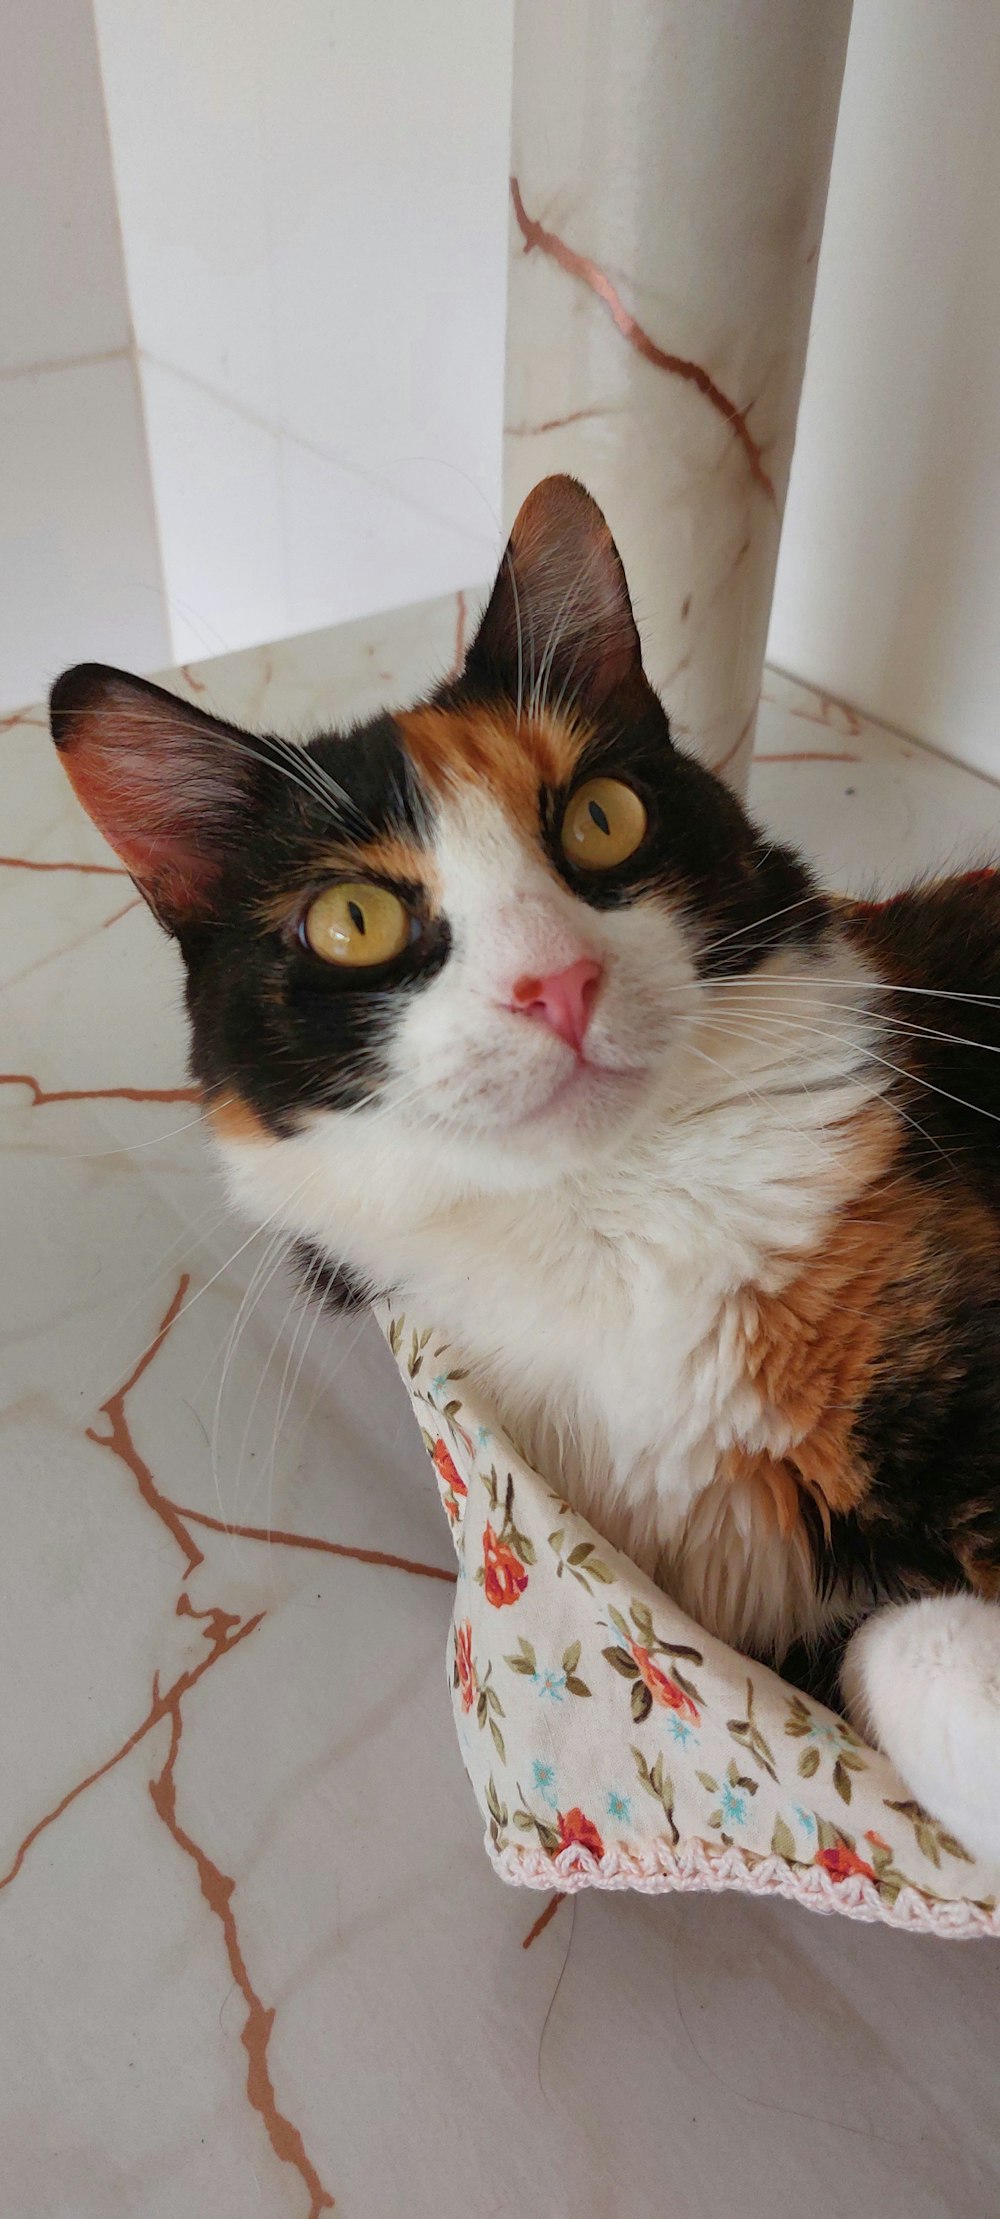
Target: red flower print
[(451, 1480), (842, 1863), (662, 1689), (504, 1576), (464, 1672), (878, 1843), (575, 1828)]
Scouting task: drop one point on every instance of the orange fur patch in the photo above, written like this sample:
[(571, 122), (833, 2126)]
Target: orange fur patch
[(978, 1562), (773, 1484), (232, 1119), (389, 857), (512, 756), (815, 1350), (867, 1304)]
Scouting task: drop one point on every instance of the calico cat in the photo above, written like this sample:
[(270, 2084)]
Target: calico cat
[(503, 1003)]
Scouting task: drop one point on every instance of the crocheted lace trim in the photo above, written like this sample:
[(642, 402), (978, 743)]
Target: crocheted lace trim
[(658, 1868)]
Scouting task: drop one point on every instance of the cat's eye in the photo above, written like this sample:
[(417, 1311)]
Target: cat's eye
[(356, 925), (605, 822)]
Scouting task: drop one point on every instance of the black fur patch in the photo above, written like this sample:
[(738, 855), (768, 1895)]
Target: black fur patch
[(271, 1021)]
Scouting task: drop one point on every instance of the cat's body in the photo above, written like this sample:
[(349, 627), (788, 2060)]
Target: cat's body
[(504, 1005)]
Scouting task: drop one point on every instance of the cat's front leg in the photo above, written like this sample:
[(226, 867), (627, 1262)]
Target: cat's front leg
[(922, 1681)]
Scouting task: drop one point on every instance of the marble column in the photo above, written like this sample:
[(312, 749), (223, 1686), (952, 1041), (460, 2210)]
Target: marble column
[(669, 173)]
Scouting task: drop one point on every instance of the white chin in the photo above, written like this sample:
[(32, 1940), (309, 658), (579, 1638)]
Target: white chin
[(582, 1109)]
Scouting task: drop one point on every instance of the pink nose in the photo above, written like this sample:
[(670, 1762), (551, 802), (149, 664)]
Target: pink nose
[(564, 1001)]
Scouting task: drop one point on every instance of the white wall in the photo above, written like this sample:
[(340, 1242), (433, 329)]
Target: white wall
[(888, 586), (287, 246), (313, 207), (79, 563)]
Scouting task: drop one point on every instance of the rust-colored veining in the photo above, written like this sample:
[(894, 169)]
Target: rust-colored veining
[(223, 1629), (116, 914), (119, 1439), (177, 1517), (589, 273), (808, 755), (743, 734), (84, 870), (41, 1096), (222, 1633), (542, 1921), (20, 716), (828, 716), (461, 620), (557, 423), (325, 1548), (831, 709), (218, 1889)]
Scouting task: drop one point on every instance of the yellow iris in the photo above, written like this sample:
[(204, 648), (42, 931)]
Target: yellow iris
[(357, 925), (605, 822)]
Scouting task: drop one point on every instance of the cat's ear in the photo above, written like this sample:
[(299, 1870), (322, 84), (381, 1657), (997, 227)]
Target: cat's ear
[(167, 785), (559, 622)]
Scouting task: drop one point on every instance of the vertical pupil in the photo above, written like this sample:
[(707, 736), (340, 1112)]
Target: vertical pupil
[(356, 915), (597, 813)]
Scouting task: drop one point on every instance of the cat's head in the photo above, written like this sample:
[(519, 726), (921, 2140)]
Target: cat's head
[(481, 925)]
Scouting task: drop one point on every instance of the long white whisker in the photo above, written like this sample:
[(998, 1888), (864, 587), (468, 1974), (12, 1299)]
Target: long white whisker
[(254, 1235), (307, 1321), (894, 1024), (276, 1342), (870, 985), (864, 1051), (512, 567), (570, 601), (286, 758), (276, 1247), (899, 1070), (767, 1096), (760, 924)]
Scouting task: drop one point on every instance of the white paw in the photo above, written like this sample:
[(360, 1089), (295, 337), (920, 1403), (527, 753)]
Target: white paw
[(922, 1681)]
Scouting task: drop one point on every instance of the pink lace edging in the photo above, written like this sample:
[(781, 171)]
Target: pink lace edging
[(659, 1869)]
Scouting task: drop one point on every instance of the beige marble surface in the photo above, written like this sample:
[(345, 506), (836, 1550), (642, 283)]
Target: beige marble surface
[(669, 167), (252, 1958)]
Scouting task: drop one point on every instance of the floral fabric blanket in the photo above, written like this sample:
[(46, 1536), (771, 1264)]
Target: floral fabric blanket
[(610, 1742)]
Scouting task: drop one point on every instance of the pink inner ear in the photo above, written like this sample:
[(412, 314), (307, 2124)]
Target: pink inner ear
[(561, 601), (567, 561), (163, 790)]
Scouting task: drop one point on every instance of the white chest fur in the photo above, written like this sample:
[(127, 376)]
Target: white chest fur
[(606, 1314)]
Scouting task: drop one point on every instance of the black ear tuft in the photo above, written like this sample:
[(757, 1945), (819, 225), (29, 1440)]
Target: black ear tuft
[(166, 784), (559, 624)]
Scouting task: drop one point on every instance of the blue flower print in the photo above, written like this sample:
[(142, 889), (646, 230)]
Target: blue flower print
[(619, 1807), (544, 1776), (680, 1730), (733, 1805), (805, 1819), (439, 1384), (551, 1683), (483, 1435)]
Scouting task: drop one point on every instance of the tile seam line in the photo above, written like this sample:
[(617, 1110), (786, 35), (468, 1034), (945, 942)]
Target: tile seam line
[(878, 723), (49, 366)]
